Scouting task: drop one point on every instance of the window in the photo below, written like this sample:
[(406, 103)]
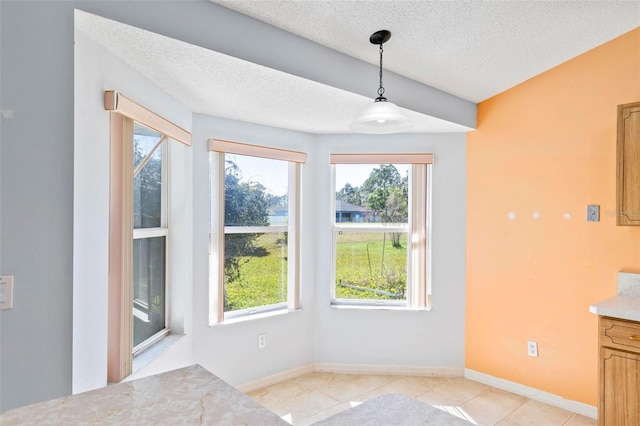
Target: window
[(255, 209), (380, 229), (138, 230), (150, 234)]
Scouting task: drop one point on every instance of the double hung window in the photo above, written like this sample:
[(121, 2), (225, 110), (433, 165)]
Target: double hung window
[(380, 229), (138, 230), (255, 210), (150, 233)]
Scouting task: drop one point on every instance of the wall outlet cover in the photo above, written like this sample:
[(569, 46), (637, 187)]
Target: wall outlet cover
[(6, 292), (593, 213), (262, 341)]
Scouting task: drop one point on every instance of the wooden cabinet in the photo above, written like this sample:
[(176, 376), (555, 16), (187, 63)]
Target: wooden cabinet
[(619, 373), (628, 180)]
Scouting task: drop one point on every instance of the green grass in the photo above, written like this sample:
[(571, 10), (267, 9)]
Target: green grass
[(360, 263), (264, 278)]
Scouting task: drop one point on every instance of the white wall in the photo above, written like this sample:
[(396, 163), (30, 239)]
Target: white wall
[(319, 333), (231, 350), (96, 70), (429, 339)]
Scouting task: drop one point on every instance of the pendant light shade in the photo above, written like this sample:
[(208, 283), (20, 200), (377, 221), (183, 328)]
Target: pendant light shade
[(382, 116)]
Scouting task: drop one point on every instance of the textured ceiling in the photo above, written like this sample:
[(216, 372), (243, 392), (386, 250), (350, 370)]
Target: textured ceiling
[(212, 83), (471, 49)]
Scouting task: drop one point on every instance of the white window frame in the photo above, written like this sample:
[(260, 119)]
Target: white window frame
[(217, 151), (162, 231), (418, 229)]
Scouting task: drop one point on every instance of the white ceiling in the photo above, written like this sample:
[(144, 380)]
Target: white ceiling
[(471, 49), (210, 82)]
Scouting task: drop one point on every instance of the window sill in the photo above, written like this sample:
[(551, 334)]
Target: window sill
[(154, 351), (345, 306), (257, 316)]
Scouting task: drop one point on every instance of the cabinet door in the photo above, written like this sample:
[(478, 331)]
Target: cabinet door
[(619, 388), (628, 182)]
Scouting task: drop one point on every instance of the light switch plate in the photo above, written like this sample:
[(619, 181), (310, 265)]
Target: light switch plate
[(6, 292), (593, 213)]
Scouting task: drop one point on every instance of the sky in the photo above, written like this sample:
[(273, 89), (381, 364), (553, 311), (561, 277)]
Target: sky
[(273, 174)]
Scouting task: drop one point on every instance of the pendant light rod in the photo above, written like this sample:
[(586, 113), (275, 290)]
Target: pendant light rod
[(380, 37), (381, 88)]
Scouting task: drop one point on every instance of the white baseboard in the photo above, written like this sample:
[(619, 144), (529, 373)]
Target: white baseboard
[(532, 393), (400, 370), (276, 378)]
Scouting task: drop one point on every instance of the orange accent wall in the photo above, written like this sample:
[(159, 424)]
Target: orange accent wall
[(547, 148)]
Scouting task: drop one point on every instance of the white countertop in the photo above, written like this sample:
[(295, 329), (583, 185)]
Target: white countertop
[(625, 304), (190, 395), (619, 306)]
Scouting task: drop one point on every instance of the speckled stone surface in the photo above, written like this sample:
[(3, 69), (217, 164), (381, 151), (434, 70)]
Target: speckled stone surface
[(393, 409), (187, 396), (628, 284), (624, 305)]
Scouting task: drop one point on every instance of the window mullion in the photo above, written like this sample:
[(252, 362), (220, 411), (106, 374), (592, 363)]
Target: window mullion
[(372, 228), (140, 233), (255, 229)]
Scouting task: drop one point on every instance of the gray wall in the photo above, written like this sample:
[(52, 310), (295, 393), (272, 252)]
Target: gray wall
[(36, 155), (36, 208)]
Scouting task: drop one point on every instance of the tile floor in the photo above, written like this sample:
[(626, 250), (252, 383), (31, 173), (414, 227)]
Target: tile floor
[(313, 397)]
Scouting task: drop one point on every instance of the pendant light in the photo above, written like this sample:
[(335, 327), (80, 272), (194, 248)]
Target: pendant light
[(382, 116)]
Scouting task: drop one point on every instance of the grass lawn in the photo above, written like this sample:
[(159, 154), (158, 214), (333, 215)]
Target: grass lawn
[(263, 279), (361, 272), (364, 270)]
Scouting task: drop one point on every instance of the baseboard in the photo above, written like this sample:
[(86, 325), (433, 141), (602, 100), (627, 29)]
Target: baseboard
[(400, 370), (532, 393), (276, 378)]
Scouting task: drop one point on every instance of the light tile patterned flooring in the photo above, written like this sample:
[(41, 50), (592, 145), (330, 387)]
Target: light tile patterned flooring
[(313, 397)]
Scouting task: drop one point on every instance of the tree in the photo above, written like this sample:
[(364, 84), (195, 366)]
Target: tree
[(384, 177), (387, 199), (245, 204), (396, 210), (387, 194), (147, 189), (350, 194)]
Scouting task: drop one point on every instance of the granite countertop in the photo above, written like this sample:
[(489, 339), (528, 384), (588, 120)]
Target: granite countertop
[(625, 304), (190, 395), (393, 409)]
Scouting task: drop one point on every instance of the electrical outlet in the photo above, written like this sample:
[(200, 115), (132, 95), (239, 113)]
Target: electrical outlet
[(262, 341), (6, 292), (532, 348)]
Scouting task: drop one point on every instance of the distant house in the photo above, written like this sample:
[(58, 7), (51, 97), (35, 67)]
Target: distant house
[(347, 212)]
